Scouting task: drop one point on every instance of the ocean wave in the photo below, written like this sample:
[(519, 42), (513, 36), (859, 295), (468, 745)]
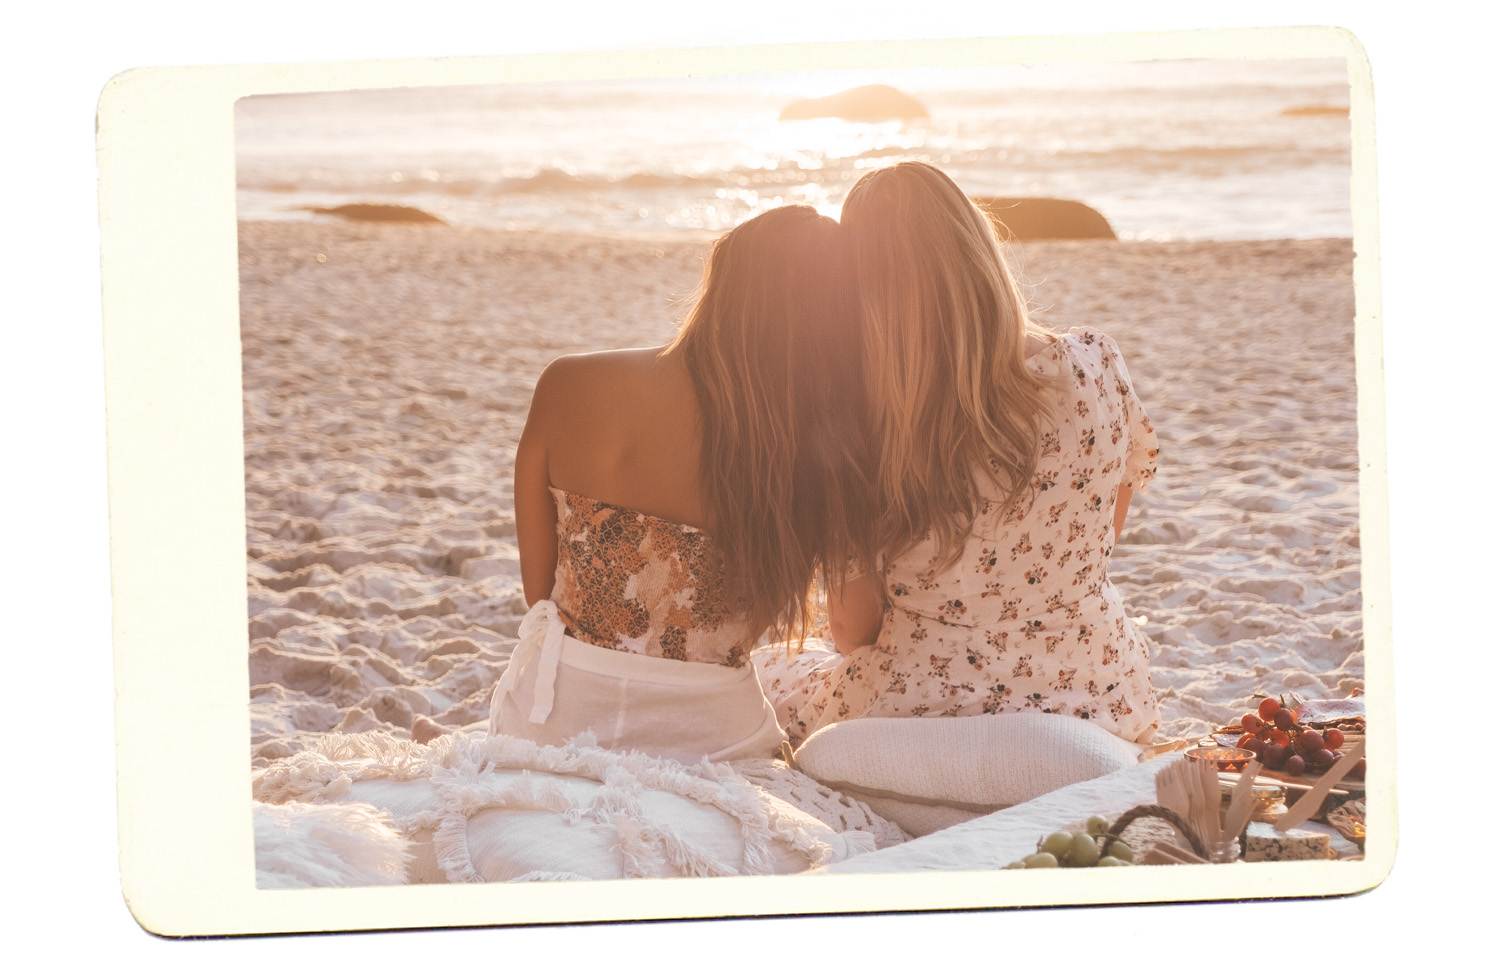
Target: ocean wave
[(1225, 158), (554, 181)]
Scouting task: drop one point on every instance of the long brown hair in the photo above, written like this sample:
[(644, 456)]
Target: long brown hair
[(772, 346), (952, 401)]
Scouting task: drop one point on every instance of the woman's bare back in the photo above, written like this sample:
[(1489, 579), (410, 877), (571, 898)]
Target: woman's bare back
[(621, 427)]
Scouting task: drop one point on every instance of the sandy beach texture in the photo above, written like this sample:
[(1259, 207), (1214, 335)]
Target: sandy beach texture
[(388, 368)]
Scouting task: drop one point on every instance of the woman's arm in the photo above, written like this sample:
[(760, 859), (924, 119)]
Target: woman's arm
[(855, 610), (1122, 506), (536, 513)]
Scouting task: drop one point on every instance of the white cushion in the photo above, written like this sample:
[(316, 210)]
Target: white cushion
[(414, 805), (926, 774), (477, 809), (311, 845), (557, 828)]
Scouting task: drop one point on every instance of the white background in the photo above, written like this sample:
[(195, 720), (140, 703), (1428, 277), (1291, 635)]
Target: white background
[(1432, 98)]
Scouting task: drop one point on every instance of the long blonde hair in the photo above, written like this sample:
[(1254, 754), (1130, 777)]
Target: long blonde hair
[(772, 348), (946, 328)]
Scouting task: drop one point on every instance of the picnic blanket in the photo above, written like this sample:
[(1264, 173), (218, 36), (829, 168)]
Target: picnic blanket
[(470, 808)]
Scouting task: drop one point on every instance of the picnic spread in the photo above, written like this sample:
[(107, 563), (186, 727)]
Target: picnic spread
[(371, 809)]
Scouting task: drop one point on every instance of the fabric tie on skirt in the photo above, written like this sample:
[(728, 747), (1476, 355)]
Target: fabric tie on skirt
[(540, 648), (557, 687)]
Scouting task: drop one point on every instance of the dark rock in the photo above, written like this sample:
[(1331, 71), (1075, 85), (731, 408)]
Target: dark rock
[(873, 102), (370, 212), (1026, 218), (1316, 110)]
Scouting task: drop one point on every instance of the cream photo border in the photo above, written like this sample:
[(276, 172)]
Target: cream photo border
[(165, 144)]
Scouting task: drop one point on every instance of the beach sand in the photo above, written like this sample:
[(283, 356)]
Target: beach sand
[(388, 369)]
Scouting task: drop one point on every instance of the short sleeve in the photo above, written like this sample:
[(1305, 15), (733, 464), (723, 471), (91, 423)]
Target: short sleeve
[(1142, 448)]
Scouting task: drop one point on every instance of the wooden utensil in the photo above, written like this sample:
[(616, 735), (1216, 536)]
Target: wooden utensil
[(1312, 800), (1241, 802)]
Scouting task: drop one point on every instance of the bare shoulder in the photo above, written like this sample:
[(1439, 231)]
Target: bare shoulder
[(621, 426), (585, 372), (600, 384)]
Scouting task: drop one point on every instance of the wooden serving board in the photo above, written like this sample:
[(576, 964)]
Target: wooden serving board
[(1347, 785)]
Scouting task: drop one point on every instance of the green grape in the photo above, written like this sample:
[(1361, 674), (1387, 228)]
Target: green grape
[(1096, 826), (1040, 861), (1113, 861), (1085, 851), (1058, 844), (1120, 850)]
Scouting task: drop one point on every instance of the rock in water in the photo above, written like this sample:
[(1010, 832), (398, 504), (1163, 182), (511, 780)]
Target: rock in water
[(1306, 110), (1025, 218), (370, 212), (873, 102)]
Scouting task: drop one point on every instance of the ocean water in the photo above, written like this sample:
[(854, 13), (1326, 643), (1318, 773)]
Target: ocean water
[(1175, 149)]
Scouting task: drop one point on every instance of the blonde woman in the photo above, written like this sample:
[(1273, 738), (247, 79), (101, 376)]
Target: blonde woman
[(1007, 460), (673, 505)]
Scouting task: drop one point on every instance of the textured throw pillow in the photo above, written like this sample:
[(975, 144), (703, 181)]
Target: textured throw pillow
[(559, 828), (925, 774), (476, 809), (311, 845), (415, 805)]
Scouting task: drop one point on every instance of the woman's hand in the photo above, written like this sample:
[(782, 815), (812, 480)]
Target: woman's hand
[(855, 610)]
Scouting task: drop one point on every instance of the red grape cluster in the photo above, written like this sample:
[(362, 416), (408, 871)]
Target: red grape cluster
[(1273, 734)]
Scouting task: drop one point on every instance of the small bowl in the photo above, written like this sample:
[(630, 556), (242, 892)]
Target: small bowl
[(1227, 759)]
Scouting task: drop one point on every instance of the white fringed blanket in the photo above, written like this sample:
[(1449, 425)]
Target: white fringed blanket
[(476, 809)]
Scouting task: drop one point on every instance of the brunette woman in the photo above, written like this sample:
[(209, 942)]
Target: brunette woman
[(673, 504)]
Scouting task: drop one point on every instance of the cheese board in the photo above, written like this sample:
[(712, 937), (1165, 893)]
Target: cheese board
[(1303, 781), (1297, 741)]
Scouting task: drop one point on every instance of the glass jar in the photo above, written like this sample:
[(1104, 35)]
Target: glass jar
[(1269, 798)]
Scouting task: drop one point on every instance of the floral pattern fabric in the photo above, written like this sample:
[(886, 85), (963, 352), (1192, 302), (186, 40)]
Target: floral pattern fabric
[(632, 582), (1026, 619)]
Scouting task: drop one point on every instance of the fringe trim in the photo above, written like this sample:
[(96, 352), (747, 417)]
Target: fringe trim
[(471, 774), (324, 772)]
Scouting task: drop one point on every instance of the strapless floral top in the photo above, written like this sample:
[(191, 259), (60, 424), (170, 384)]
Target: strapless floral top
[(632, 582)]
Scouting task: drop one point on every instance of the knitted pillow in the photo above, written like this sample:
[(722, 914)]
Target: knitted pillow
[(925, 774)]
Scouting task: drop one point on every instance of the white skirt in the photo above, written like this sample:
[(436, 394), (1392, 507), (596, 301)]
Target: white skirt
[(558, 687)]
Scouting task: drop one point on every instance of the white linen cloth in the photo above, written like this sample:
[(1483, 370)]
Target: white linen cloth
[(990, 842), (557, 687)]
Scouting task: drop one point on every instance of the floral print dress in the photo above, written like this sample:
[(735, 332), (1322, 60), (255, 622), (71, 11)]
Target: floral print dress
[(636, 646), (1026, 619), (632, 582)]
